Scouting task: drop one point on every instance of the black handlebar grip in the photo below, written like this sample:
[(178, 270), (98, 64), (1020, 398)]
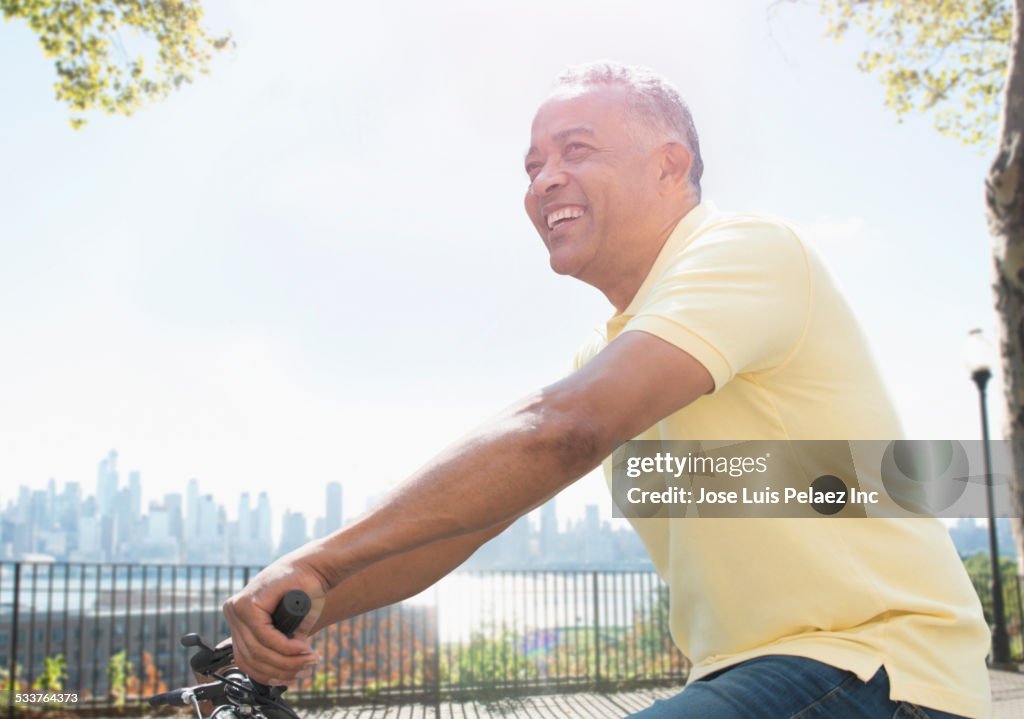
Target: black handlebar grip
[(173, 698), (290, 611)]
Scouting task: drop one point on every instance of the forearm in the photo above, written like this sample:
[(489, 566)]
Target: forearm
[(399, 577), (507, 467)]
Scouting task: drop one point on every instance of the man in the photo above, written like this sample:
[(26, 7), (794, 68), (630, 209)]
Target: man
[(726, 327)]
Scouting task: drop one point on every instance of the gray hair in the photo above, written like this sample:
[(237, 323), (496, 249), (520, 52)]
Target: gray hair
[(654, 101)]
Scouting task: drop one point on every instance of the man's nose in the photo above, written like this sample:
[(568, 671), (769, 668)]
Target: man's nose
[(548, 179)]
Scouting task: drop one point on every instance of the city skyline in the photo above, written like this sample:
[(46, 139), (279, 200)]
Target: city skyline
[(66, 523), (303, 502)]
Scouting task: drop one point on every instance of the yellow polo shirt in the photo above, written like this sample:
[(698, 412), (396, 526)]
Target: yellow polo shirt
[(746, 297)]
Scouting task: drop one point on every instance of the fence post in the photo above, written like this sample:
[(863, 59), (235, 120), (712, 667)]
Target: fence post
[(437, 655), (597, 629), (13, 664), (1020, 612)]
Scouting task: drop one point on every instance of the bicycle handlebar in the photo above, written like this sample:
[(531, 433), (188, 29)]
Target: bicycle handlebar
[(175, 698), (290, 611), (183, 697), (286, 618)]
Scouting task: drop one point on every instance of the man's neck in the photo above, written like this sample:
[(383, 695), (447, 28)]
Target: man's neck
[(631, 278)]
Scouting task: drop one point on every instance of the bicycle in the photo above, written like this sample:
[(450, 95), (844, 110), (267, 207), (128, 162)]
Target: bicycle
[(234, 694)]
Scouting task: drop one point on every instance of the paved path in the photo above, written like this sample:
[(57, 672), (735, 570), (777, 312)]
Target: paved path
[(582, 705), (1007, 692)]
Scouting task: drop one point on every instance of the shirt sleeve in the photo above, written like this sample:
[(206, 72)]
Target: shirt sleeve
[(737, 298), (595, 342)]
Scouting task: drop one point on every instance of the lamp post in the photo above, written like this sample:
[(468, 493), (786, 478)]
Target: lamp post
[(977, 353)]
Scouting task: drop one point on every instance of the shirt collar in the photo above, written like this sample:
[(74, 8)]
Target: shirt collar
[(684, 231)]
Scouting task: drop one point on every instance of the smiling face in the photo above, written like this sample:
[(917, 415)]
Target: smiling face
[(593, 179)]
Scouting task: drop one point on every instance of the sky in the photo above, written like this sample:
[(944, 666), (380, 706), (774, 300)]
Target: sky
[(313, 264)]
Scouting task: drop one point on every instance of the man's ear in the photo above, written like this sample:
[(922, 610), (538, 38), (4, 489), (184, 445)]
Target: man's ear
[(675, 165)]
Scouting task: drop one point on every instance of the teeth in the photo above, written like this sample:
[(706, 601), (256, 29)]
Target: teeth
[(566, 213)]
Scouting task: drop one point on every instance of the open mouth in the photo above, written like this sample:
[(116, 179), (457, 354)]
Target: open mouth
[(564, 217)]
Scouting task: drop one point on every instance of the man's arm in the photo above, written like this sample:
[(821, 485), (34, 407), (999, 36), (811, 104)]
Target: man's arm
[(399, 577), (510, 465)]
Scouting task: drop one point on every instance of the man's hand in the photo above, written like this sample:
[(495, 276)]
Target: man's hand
[(262, 652)]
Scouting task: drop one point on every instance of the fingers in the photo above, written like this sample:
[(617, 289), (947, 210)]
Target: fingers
[(267, 665), (261, 651)]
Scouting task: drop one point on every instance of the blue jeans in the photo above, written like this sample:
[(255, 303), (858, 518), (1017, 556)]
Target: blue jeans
[(784, 687)]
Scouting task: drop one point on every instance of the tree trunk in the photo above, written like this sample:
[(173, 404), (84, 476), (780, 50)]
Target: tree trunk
[(1004, 200)]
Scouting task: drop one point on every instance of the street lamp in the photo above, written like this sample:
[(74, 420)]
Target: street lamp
[(977, 353)]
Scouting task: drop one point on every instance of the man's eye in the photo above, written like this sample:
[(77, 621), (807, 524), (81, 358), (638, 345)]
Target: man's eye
[(575, 148), (532, 169)]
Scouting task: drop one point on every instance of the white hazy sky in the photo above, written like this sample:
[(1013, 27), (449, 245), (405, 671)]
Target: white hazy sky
[(314, 265)]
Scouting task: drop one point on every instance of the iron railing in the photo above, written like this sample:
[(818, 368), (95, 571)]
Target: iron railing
[(109, 632), (1013, 605)]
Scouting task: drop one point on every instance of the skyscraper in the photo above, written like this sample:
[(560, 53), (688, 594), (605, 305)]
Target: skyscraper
[(263, 528), (246, 535), (548, 529), (332, 517), (207, 543), (175, 520), (69, 507), (89, 548), (293, 532), (208, 519), (135, 494), (158, 543), (191, 509), (244, 545), (51, 499), (124, 526), (158, 527), (107, 484)]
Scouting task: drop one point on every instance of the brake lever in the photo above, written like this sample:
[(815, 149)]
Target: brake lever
[(207, 659)]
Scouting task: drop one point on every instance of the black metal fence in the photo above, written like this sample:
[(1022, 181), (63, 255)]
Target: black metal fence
[(1013, 603), (109, 633)]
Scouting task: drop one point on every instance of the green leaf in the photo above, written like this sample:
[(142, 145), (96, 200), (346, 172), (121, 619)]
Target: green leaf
[(85, 38)]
